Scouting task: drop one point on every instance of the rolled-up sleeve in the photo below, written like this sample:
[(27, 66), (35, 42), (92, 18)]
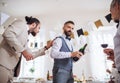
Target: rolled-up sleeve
[(36, 53), (39, 52), (55, 51)]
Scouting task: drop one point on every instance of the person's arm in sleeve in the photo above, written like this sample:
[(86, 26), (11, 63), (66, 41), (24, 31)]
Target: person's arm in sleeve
[(10, 35), (55, 51), (41, 51), (38, 53)]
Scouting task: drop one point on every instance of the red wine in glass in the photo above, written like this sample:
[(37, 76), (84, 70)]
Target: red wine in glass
[(104, 45)]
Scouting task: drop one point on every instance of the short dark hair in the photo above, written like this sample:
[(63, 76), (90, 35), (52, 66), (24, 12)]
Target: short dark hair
[(71, 22), (31, 20), (114, 2), (118, 1)]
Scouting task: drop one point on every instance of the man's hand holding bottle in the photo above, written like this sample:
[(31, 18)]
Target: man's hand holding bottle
[(76, 54), (81, 51)]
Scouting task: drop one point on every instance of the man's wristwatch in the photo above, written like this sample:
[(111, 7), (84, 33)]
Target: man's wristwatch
[(119, 72), (46, 48)]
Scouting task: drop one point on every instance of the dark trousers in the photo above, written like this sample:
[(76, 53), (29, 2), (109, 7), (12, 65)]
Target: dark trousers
[(62, 76)]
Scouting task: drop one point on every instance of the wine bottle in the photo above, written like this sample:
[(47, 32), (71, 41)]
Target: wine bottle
[(83, 78), (83, 49), (48, 75), (80, 50)]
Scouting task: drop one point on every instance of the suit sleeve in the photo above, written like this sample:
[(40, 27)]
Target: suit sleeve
[(10, 35), (37, 53)]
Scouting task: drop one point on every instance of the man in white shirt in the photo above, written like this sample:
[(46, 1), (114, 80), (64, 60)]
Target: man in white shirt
[(62, 52)]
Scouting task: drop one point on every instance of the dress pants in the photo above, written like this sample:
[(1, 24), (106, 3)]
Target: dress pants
[(62, 76), (6, 75)]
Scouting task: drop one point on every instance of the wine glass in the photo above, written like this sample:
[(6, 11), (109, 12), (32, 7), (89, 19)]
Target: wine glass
[(106, 66), (104, 45)]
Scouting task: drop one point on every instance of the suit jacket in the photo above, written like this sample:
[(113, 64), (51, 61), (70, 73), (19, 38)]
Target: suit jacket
[(14, 41)]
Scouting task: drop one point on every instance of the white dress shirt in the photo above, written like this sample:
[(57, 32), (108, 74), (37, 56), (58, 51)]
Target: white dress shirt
[(57, 44)]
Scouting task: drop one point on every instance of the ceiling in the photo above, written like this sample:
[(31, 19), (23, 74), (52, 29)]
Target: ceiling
[(41, 7)]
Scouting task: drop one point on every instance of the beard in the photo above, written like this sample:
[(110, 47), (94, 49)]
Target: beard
[(68, 33), (33, 33)]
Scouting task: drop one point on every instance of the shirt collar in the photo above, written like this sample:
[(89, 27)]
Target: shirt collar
[(65, 37)]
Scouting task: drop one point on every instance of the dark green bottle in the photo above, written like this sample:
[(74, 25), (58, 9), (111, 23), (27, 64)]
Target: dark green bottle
[(80, 50), (48, 75)]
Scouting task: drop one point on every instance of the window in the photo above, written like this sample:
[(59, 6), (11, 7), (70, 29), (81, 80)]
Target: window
[(98, 60)]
